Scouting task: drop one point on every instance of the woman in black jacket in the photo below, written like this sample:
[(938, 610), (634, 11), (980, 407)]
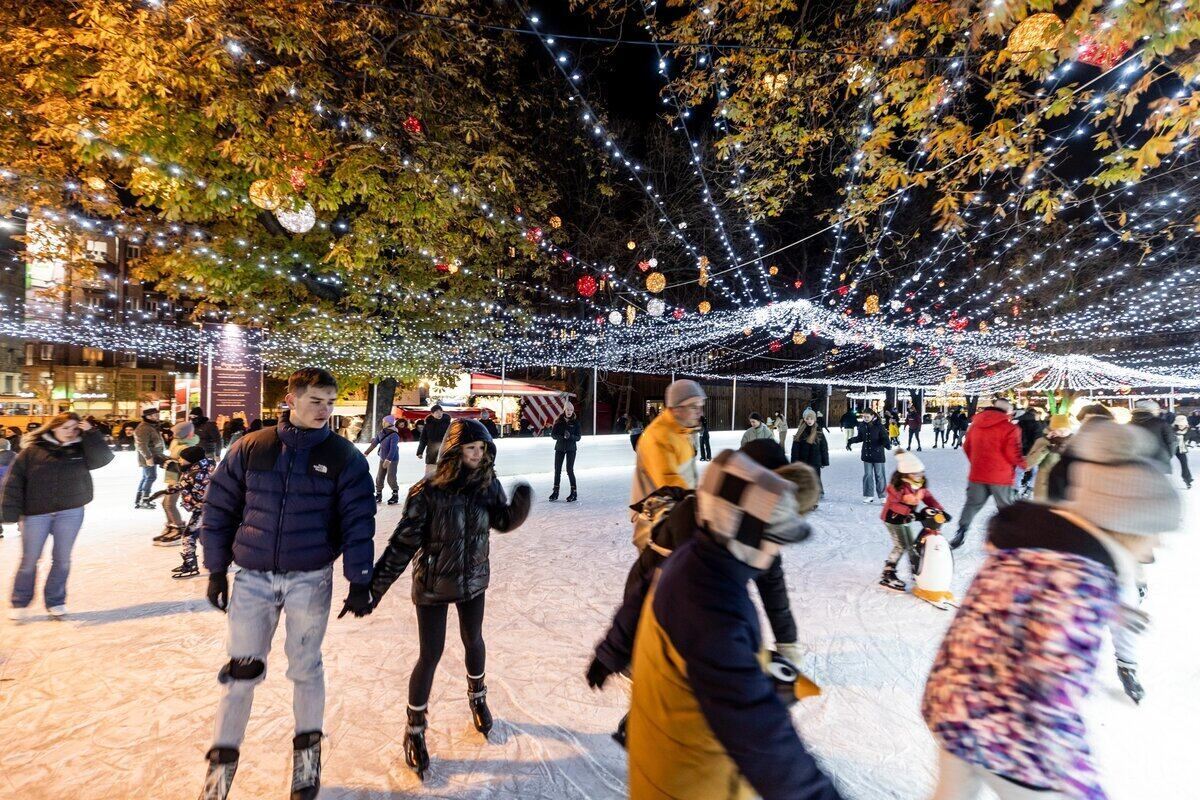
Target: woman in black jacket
[(566, 433), (875, 441), (810, 446), (444, 532), (47, 487)]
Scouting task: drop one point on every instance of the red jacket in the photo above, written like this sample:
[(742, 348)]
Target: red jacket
[(993, 446), (896, 504)]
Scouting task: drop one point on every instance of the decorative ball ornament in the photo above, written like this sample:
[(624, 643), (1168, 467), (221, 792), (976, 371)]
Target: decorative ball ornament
[(871, 306), (799, 338), (678, 313), (1100, 54), (300, 221), (265, 195), (1036, 32), (798, 284), (412, 125), (773, 270), (556, 222), (534, 235), (644, 266), (702, 262), (747, 331), (703, 279), (298, 178), (454, 265), (895, 305), (924, 319), (983, 326), (586, 286), (96, 183), (655, 282), (614, 317), (442, 266), (653, 262), (704, 307), (656, 307), (775, 346), (843, 290), (631, 244)]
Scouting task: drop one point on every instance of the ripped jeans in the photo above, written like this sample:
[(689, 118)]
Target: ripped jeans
[(255, 602)]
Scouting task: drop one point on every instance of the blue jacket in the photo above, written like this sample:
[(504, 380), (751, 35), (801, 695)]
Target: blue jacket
[(388, 442), (705, 716), (286, 514)]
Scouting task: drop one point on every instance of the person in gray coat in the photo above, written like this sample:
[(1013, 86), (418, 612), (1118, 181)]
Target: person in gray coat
[(151, 451)]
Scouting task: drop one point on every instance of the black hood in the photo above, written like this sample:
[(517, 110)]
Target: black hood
[(462, 432)]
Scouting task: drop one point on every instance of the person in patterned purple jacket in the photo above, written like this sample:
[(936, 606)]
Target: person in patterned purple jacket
[(1005, 695)]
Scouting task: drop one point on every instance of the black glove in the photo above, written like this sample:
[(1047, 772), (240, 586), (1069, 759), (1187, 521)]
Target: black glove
[(358, 602), (522, 499), (218, 590), (597, 674)]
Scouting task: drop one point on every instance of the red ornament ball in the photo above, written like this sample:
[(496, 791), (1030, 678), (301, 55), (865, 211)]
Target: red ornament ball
[(412, 125), (677, 313), (843, 290), (798, 284), (441, 266), (534, 235), (586, 286), (775, 346), (1098, 54)]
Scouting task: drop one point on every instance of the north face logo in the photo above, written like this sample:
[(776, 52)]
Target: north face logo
[(321, 468)]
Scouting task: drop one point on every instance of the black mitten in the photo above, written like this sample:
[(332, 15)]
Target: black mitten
[(218, 590), (597, 674)]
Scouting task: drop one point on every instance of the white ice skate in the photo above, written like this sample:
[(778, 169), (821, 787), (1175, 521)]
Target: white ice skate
[(936, 571)]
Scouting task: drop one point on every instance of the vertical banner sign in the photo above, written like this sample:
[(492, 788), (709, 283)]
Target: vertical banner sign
[(231, 371)]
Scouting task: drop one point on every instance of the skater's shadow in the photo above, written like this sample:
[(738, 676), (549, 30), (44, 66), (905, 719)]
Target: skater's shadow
[(158, 608)]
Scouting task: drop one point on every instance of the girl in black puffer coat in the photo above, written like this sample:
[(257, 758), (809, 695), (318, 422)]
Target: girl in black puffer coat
[(445, 533)]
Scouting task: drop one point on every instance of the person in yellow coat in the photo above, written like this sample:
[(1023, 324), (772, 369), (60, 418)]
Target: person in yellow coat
[(665, 454), (706, 722)]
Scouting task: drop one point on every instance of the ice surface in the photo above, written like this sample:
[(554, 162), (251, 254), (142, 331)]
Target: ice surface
[(117, 701)]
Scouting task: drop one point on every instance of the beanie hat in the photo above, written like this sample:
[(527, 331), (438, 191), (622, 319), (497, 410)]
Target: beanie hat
[(462, 432), (389, 420), (183, 430), (742, 504), (1114, 485), (682, 390), (1146, 404), (192, 454), (907, 463), (809, 415), (1181, 421), (197, 412)]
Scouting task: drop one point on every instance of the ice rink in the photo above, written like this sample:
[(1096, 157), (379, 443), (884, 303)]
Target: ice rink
[(117, 700)]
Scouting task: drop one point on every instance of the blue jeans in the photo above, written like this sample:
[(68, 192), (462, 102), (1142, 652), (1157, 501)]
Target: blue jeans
[(874, 480), (35, 530), (149, 473), (255, 602)]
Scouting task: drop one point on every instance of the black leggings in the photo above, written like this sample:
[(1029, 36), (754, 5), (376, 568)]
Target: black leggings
[(431, 630), (558, 464)]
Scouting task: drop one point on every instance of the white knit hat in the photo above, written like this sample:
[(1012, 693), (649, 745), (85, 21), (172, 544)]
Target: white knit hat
[(1146, 404), (1113, 483), (907, 463)]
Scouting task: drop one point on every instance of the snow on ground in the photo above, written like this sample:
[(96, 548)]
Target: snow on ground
[(118, 700)]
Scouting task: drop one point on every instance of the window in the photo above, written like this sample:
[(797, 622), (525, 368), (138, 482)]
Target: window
[(151, 305), (93, 355), (149, 384), (29, 351), (91, 382), (129, 360), (8, 384), (133, 252), (97, 249), (47, 352)]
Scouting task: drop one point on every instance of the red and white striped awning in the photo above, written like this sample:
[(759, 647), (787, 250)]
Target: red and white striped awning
[(543, 410), (482, 383)]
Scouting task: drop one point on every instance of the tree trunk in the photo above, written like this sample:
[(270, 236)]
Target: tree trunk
[(379, 404)]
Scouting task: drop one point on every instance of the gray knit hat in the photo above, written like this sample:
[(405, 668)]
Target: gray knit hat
[(183, 430), (1113, 483), (682, 390)]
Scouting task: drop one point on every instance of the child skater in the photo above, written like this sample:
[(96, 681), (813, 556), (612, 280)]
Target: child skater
[(906, 492), (192, 486), (444, 532)]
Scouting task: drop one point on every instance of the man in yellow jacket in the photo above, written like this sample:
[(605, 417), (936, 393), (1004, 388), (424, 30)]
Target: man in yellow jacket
[(665, 455)]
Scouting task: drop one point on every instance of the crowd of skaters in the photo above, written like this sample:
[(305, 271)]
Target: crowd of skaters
[(708, 716)]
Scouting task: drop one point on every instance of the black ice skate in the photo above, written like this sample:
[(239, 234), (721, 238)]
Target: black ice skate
[(394, 499), (222, 765), (306, 766), (188, 569), (890, 580), (481, 715), (619, 734), (415, 754), (378, 498), (553, 495), (1130, 682), (572, 497)]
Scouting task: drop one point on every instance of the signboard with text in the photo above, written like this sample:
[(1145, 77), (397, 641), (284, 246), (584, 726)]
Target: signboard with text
[(231, 372)]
